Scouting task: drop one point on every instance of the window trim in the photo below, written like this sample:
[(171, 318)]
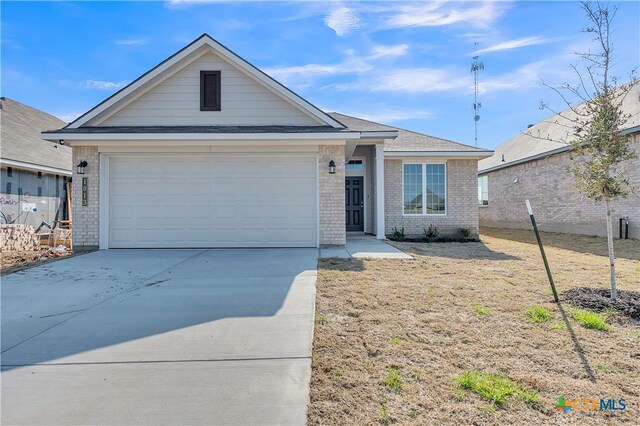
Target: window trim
[(218, 105), (424, 189), (480, 192)]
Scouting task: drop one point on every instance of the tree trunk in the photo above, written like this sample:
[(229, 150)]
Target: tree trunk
[(612, 260)]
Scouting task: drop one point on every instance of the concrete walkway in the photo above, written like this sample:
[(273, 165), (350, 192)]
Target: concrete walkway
[(364, 247), (160, 337)]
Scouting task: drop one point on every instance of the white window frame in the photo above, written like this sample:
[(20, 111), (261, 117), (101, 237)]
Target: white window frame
[(480, 192), (424, 189)]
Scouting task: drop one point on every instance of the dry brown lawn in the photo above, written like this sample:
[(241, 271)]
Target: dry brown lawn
[(418, 316)]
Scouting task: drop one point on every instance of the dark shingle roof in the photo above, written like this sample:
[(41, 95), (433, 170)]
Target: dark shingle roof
[(407, 140), (21, 127)]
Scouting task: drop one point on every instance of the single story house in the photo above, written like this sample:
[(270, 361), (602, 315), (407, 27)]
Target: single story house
[(206, 150), (534, 165), (33, 172)]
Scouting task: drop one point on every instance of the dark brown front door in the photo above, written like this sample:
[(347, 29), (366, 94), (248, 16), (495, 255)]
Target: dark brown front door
[(354, 201)]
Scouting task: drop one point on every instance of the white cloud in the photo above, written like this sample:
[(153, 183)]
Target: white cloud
[(441, 13), (342, 20), (104, 85), (175, 4), (411, 80), (68, 117), (389, 51), (131, 42), (513, 44), (301, 75), (390, 114)]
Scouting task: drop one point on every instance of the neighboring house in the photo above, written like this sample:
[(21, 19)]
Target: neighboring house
[(34, 172), (534, 165), (205, 150)]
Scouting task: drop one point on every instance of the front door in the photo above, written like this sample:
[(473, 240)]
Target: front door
[(354, 202)]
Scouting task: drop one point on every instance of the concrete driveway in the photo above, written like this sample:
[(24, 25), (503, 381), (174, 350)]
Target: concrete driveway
[(160, 337)]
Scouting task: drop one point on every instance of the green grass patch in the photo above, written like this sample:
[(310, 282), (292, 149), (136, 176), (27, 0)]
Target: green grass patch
[(559, 326), (395, 340), (589, 319), (413, 413), (481, 310), (494, 387), (538, 314), (393, 379), (321, 319), (607, 369)]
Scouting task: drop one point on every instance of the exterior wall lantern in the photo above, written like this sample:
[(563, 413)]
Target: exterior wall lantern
[(332, 167), (80, 167)]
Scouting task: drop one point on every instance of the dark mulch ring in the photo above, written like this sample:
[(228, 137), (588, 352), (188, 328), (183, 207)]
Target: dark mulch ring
[(599, 300)]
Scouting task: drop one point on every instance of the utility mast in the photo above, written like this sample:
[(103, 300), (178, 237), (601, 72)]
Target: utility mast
[(476, 67)]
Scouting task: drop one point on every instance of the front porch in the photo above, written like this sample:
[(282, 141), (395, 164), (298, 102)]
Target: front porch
[(364, 190), (364, 247)]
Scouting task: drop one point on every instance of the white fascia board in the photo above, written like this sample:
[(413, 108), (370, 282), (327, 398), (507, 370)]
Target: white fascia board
[(337, 136), (273, 84), (379, 135), (462, 154), (244, 65), (34, 167), (109, 102)]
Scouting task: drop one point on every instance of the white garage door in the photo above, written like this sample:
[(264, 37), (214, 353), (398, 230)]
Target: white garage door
[(212, 200)]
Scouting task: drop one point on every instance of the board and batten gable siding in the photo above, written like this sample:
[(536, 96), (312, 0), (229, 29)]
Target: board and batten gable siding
[(176, 101)]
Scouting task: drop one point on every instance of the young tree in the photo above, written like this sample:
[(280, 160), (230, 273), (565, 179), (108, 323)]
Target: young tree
[(598, 150)]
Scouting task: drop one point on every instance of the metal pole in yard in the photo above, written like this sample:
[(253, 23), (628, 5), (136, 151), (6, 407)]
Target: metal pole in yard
[(544, 256)]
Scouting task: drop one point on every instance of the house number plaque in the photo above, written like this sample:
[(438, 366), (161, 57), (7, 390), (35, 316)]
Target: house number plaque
[(85, 189)]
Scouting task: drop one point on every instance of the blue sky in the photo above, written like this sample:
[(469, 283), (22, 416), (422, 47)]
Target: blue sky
[(403, 63)]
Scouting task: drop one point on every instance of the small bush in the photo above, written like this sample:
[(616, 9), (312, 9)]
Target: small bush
[(495, 388), (431, 233), (589, 319), (538, 314), (321, 319), (465, 232), (480, 310), (394, 380), (398, 234)]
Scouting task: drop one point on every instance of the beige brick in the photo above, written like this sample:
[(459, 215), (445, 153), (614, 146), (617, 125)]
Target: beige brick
[(558, 205), (331, 196), (462, 200), (85, 229)]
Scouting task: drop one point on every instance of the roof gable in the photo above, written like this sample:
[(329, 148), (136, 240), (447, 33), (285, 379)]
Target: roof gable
[(165, 95)]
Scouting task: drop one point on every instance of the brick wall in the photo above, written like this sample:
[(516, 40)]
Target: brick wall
[(331, 187), (85, 219), (557, 204), (462, 200)]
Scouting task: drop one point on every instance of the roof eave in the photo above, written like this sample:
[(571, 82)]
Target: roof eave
[(526, 159), (460, 154)]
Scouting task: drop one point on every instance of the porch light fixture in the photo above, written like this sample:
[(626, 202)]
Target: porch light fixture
[(80, 167), (332, 167)]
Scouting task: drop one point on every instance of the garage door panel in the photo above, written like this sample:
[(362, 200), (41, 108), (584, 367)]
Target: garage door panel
[(212, 201)]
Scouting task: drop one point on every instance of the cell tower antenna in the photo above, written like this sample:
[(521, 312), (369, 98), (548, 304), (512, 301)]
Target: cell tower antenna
[(476, 66)]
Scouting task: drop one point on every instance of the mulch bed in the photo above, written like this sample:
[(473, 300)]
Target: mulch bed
[(599, 300)]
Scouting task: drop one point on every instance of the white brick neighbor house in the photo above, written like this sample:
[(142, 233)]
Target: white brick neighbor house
[(205, 150), (533, 165)]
